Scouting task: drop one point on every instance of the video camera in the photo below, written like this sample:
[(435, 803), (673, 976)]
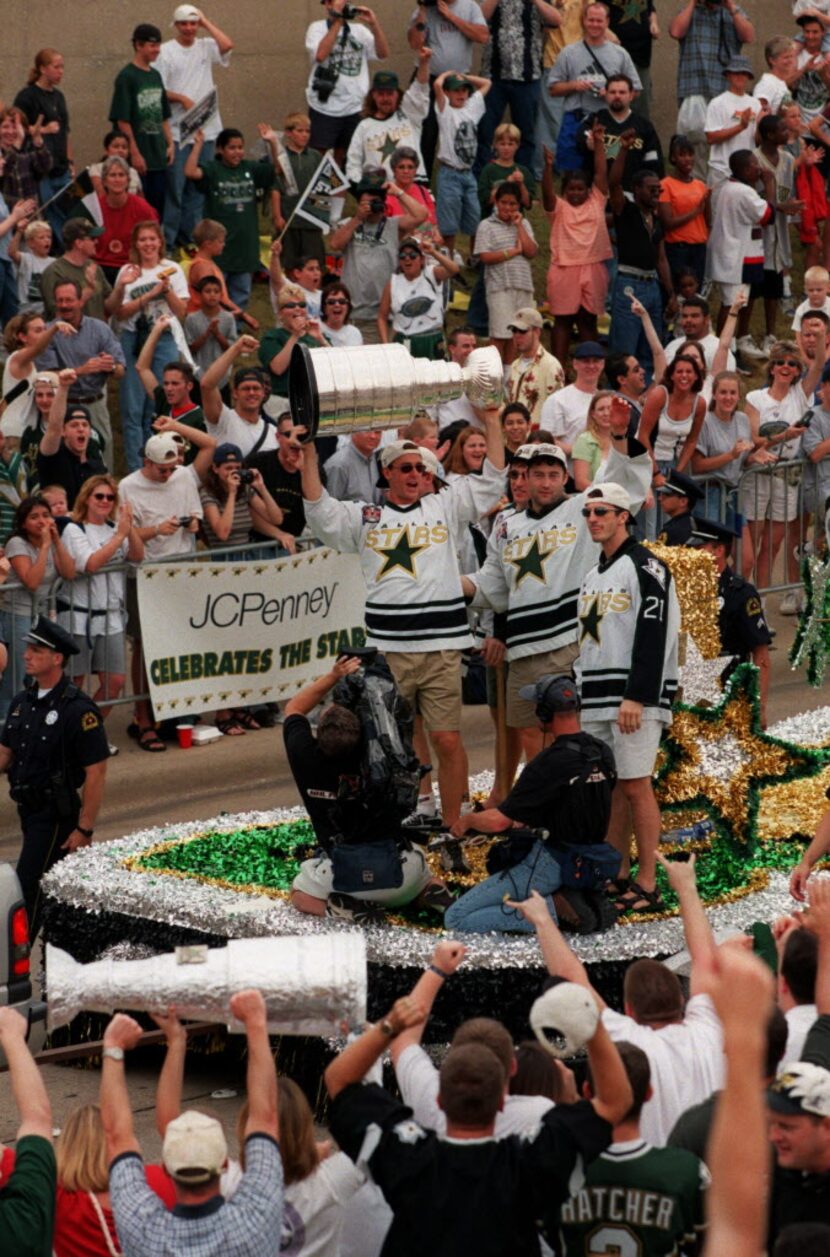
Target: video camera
[(324, 82)]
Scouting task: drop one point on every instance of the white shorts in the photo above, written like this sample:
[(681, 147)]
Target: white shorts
[(729, 292), (316, 877), (502, 307), (634, 753), (769, 497)]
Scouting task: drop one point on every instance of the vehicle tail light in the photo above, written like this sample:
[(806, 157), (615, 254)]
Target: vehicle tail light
[(20, 949)]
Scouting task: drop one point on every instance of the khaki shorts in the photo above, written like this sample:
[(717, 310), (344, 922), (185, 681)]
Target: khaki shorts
[(521, 714), (431, 684), (316, 878), (770, 497)]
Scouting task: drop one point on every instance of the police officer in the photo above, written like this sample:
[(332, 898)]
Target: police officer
[(565, 789), (52, 744), (744, 632), (678, 498)]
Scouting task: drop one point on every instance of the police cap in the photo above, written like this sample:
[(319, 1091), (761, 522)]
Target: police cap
[(676, 482), (706, 531), (46, 633)]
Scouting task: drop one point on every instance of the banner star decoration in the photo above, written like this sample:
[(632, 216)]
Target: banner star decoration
[(402, 554), (720, 760), (531, 563), (812, 639)]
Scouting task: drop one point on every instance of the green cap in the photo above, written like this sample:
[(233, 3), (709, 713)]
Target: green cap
[(457, 82), (387, 79)]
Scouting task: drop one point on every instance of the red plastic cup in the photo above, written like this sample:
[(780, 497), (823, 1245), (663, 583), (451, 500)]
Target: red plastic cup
[(185, 735)]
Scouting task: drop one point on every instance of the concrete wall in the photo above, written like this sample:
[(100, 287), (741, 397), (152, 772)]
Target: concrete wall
[(269, 67)]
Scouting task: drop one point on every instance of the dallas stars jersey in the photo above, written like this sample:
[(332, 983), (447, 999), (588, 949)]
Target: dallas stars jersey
[(637, 1201), (629, 618), (375, 139), (414, 600), (535, 563)]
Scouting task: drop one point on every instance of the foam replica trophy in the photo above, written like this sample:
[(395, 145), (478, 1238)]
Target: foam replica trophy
[(340, 390)]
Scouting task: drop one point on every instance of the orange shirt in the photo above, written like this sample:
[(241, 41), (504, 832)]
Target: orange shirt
[(199, 268), (682, 197), (578, 233)]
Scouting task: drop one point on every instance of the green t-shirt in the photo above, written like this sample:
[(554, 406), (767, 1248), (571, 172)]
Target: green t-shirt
[(231, 199), (140, 99), (272, 342), (492, 175), (27, 1202)]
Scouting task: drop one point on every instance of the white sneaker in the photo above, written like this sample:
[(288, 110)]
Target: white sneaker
[(789, 603), (767, 344), (747, 347)]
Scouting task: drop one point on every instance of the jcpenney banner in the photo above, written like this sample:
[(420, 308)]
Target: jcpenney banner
[(232, 634)]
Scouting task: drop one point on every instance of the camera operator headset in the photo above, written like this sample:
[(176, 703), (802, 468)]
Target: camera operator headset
[(366, 863), (564, 790), (339, 80)]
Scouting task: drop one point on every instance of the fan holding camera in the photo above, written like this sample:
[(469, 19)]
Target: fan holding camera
[(339, 79)]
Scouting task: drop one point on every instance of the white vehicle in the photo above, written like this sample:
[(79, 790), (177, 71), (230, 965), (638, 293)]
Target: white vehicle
[(15, 959)]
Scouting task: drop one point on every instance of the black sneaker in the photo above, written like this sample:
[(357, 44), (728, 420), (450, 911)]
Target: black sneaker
[(347, 908), (573, 912), (451, 855), (437, 897)]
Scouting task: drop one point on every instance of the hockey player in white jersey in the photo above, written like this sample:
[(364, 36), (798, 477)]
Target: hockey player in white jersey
[(415, 608), (536, 561), (629, 620)]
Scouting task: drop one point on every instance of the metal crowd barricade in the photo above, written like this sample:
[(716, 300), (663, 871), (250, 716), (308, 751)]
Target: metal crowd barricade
[(62, 599)]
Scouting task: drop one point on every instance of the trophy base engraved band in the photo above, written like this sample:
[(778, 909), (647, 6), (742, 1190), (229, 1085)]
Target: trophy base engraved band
[(340, 391)]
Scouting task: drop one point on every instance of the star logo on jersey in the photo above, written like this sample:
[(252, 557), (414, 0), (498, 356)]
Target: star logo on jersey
[(655, 568), (389, 146), (531, 563), (400, 554), (590, 621)]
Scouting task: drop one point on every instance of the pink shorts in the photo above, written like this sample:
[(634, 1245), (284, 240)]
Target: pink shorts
[(570, 287)]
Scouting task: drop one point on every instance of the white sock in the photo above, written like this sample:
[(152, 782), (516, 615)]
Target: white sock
[(426, 804)]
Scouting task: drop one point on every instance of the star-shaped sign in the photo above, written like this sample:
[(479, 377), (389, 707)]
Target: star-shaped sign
[(531, 563), (401, 554), (720, 759), (591, 621)]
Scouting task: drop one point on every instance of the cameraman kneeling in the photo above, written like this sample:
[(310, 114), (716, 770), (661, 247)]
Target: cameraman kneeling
[(565, 789), (357, 837)]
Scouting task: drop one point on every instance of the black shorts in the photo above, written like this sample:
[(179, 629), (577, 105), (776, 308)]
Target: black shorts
[(328, 132), (770, 287), (752, 274)]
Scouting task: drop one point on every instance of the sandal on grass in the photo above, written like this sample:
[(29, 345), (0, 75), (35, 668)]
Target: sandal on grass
[(246, 719), (639, 901), (231, 727), (149, 740)]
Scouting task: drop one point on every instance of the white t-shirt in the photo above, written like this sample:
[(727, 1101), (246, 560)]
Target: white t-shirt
[(350, 57), (565, 414), (771, 89), (29, 271), (458, 132), (740, 209), (189, 72), (709, 345), (723, 112), (146, 282), (789, 410), (686, 1062), (231, 427), (313, 1212), (806, 308), (799, 1024), (106, 589), (418, 1081), (344, 337), (154, 501), (22, 412)]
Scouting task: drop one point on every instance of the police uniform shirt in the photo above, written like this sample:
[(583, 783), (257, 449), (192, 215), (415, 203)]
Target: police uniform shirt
[(57, 733), (741, 619), (550, 794), (677, 531)]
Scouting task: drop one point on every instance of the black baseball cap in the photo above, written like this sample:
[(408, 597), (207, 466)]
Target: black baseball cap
[(386, 79), (146, 33), (557, 693)]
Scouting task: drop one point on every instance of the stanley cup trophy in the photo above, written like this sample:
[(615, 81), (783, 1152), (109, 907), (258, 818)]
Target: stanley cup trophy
[(337, 391)]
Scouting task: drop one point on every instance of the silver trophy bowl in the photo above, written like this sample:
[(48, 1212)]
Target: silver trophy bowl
[(334, 391)]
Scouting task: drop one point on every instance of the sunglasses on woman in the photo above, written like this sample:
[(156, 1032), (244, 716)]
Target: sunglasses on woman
[(336, 301), (786, 362), (294, 305), (103, 497)]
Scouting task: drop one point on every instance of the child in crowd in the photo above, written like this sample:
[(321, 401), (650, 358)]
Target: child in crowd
[(211, 330), (773, 156), (730, 120), (805, 143), (231, 185), (772, 88), (685, 211), (817, 294), (301, 239), (504, 244), (209, 238), (579, 247), (116, 144), (305, 273), (459, 107), (58, 503), (9, 220), (505, 169), (31, 262)]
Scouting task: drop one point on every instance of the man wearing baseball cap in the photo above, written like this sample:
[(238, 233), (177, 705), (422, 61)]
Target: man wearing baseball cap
[(185, 64), (730, 119), (566, 792), (166, 512), (141, 110), (628, 622), (534, 373), (63, 455), (393, 121), (415, 609), (79, 236), (798, 1111), (536, 561)]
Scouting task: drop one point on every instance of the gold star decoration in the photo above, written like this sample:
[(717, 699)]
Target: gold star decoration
[(720, 759), (696, 582)]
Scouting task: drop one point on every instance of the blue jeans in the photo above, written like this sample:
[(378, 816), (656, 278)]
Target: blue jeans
[(478, 316), (57, 212), (721, 503), (154, 189), (627, 335), (681, 256), (183, 204), (548, 122), (523, 99), (239, 284), (482, 908), (9, 304), (137, 410), (456, 201), (13, 627)]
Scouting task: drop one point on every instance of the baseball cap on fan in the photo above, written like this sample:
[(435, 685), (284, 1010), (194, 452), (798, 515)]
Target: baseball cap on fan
[(194, 1148), (162, 449), (186, 13)]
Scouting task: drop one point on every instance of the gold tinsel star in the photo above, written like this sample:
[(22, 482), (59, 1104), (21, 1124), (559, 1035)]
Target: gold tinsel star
[(720, 759), (696, 581)]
